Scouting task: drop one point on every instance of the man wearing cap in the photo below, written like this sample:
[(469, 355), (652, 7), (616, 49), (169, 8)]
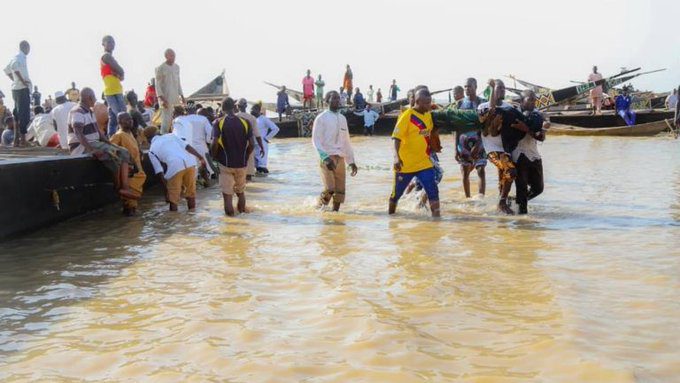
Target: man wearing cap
[(168, 89), (242, 106), (60, 117)]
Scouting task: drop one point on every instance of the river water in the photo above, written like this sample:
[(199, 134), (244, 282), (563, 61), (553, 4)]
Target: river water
[(584, 289)]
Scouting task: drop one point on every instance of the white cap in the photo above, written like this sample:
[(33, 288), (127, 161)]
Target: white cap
[(58, 94)]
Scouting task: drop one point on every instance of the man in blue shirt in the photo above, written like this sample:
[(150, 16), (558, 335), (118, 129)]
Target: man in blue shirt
[(623, 103)]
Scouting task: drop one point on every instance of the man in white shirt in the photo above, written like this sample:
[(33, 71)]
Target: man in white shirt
[(42, 129), (60, 117), (330, 137), (180, 172), (268, 130), (168, 89), (370, 118), (196, 130), (17, 71)]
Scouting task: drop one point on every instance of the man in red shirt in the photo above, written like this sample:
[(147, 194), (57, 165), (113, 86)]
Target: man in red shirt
[(308, 90)]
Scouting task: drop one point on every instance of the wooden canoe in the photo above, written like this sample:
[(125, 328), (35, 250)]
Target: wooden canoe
[(639, 130), (607, 120)]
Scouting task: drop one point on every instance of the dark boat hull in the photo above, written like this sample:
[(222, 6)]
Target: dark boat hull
[(40, 191), (607, 120), (640, 130)]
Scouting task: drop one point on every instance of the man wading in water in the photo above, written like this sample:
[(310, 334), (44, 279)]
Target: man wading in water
[(233, 144), (330, 136), (412, 152)]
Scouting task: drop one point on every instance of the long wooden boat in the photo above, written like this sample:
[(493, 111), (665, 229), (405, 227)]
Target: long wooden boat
[(607, 120), (638, 130)]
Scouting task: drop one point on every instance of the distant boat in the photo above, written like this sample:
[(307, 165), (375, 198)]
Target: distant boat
[(215, 90), (608, 120), (639, 130)]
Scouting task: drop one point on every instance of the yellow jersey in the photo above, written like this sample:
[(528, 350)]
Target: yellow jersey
[(413, 129)]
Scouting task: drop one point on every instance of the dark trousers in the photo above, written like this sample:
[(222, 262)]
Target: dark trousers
[(529, 181), (22, 108)]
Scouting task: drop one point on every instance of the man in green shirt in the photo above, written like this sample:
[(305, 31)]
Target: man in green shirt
[(319, 92)]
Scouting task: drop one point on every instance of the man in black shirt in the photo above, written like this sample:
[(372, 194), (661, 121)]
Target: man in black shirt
[(233, 143)]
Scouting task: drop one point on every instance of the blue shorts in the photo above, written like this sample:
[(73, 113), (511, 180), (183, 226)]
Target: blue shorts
[(438, 172), (427, 178)]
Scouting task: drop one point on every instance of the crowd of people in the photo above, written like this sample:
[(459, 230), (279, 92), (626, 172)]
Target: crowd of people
[(313, 95), (485, 130), (190, 143), (184, 140)]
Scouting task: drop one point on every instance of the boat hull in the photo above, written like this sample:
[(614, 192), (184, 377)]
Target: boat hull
[(607, 120), (640, 130)]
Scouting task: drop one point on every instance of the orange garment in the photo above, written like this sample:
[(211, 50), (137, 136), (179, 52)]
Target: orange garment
[(128, 141)]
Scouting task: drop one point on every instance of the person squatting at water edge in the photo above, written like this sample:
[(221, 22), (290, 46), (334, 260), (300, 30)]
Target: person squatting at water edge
[(126, 137), (330, 137)]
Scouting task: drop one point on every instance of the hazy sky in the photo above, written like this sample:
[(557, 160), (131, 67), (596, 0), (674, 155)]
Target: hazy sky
[(438, 43)]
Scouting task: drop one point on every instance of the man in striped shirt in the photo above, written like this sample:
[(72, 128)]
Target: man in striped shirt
[(85, 137)]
